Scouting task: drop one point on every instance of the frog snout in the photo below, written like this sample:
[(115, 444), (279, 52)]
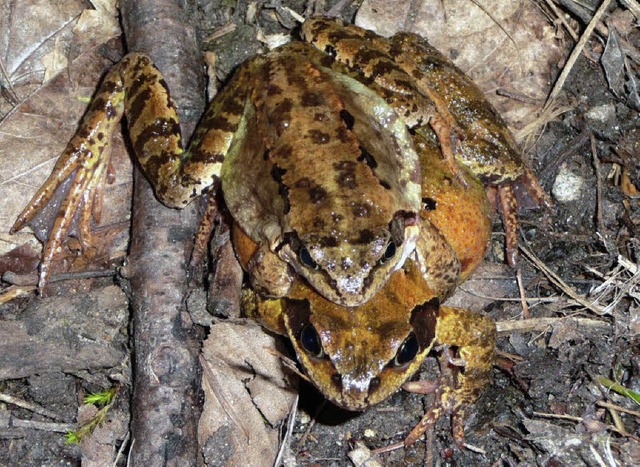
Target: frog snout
[(356, 393), (350, 284)]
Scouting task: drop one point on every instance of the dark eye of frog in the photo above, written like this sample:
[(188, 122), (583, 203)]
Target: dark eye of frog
[(389, 252), (310, 341), (306, 259), (407, 351)]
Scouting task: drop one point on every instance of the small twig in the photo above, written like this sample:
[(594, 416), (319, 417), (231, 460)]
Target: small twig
[(573, 418), (221, 31), (609, 405), (285, 444), (542, 324), (617, 421), (471, 447), (581, 420), (32, 279), (576, 53), (287, 362), (523, 295), (389, 448), (518, 96), (123, 446), (29, 406), (596, 165), (506, 299), (43, 426), (560, 16), (556, 280), (509, 356), (14, 292)]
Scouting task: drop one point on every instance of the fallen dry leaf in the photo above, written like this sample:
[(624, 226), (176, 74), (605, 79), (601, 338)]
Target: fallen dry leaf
[(247, 396)]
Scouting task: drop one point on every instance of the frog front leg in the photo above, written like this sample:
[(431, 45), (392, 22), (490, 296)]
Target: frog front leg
[(465, 372), (436, 259), (136, 89)]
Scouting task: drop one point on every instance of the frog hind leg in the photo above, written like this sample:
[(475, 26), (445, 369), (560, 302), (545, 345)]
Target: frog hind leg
[(509, 201), (79, 173), (465, 372), (133, 87), (486, 145)]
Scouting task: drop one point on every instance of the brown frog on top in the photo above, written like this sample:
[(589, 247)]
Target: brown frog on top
[(313, 161), (289, 141), (358, 356)]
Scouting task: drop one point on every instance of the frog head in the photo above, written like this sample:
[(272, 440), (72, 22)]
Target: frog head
[(358, 357), (349, 265)]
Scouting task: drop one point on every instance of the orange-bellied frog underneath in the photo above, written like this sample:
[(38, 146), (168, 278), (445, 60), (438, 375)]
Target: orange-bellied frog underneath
[(358, 356), (312, 155)]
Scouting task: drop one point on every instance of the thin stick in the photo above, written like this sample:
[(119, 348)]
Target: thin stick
[(596, 165), (523, 295), (29, 406), (542, 324), (560, 16), (609, 405), (576, 52), (555, 279)]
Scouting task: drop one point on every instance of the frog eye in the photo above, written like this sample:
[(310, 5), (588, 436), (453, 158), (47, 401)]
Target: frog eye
[(389, 252), (407, 351), (306, 259), (310, 341)]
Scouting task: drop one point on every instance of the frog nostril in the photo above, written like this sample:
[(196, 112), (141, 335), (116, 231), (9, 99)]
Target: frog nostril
[(337, 380), (374, 384)]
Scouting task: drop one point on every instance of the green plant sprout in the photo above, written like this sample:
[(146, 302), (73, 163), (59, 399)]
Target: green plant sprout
[(619, 388), (104, 400)]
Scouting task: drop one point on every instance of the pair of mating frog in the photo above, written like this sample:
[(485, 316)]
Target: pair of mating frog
[(354, 167)]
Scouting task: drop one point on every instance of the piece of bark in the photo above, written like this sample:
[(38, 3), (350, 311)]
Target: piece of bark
[(166, 379), (66, 334)]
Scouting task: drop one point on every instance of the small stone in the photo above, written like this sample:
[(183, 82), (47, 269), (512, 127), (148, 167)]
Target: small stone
[(369, 433), (602, 113), (304, 418), (567, 186)]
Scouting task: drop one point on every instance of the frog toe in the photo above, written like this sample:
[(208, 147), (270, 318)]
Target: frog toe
[(62, 207), (511, 199)]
